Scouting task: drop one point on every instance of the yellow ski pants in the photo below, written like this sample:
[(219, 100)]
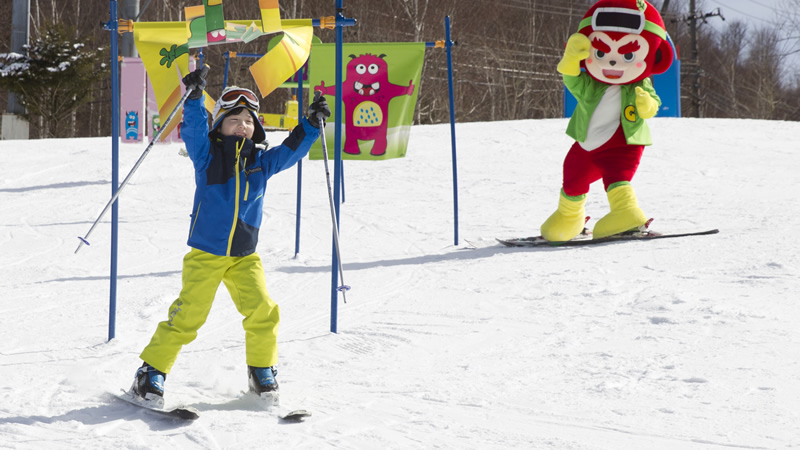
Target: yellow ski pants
[(202, 273)]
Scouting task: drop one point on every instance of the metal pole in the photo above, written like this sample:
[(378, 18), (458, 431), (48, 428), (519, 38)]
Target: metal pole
[(112, 306), (335, 226), (695, 61), (130, 10), (20, 31), (227, 65), (299, 164), (449, 44), (337, 161)]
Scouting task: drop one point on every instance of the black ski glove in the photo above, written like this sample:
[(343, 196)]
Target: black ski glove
[(197, 81), (318, 106)]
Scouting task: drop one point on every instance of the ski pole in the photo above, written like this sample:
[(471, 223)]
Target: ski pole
[(84, 239), (343, 287)]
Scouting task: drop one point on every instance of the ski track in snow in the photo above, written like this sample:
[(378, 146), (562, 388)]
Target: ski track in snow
[(677, 344)]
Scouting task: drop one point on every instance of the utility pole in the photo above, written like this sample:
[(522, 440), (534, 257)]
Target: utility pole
[(20, 32), (692, 20), (12, 125), (130, 11)]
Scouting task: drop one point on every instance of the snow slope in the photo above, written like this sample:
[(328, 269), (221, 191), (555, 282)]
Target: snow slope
[(676, 344)]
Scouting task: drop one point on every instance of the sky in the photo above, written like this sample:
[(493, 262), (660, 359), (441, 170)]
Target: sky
[(755, 13)]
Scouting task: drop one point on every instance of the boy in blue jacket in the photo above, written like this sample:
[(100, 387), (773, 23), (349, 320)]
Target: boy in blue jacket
[(232, 165)]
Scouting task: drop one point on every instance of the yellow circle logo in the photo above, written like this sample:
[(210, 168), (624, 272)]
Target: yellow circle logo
[(630, 113)]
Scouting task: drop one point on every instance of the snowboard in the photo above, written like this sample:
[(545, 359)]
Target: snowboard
[(585, 239), (180, 412)]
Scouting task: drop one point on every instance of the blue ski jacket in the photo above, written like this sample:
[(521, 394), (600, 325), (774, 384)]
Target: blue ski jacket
[(231, 176)]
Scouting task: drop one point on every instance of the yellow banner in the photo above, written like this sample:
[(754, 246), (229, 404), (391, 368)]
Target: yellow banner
[(165, 63), (284, 59), (164, 49), (270, 16)]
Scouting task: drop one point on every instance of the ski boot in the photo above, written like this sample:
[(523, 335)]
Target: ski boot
[(625, 212), (263, 383), (148, 386), (568, 220)]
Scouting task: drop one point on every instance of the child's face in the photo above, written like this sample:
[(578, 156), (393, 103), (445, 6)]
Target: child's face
[(239, 125)]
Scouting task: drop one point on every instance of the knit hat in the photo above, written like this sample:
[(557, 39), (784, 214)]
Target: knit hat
[(234, 97)]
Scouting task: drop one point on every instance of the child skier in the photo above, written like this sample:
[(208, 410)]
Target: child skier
[(232, 166)]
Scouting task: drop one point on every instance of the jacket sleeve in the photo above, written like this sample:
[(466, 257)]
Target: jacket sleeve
[(647, 85), (293, 149), (194, 132), (577, 85)]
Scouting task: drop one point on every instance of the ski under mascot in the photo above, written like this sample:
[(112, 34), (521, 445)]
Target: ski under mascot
[(620, 44)]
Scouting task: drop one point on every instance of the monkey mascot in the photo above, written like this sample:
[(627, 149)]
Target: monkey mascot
[(620, 44)]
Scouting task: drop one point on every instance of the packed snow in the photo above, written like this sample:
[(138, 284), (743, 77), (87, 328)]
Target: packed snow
[(689, 343)]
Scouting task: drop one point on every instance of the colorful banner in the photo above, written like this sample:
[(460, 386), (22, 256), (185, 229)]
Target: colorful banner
[(152, 120), (270, 16), (284, 59), (165, 68), (379, 93), (131, 100), (164, 47)]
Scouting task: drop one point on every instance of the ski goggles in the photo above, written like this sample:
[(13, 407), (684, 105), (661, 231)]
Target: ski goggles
[(238, 97), (623, 20)]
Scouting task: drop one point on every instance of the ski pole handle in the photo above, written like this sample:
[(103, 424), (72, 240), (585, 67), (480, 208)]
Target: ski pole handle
[(320, 116), (203, 75)]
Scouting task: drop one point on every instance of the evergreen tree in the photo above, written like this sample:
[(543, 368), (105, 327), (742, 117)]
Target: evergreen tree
[(54, 79)]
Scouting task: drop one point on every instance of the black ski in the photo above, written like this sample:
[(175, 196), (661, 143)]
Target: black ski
[(181, 412), (538, 241), (270, 401), (297, 415)]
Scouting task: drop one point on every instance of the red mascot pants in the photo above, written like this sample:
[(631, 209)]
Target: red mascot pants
[(613, 161)]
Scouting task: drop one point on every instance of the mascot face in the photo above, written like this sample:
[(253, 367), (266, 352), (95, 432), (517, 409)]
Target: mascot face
[(617, 61), (628, 41)]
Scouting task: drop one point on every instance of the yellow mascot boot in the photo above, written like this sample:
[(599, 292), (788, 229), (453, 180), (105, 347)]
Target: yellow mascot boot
[(625, 212), (567, 221)]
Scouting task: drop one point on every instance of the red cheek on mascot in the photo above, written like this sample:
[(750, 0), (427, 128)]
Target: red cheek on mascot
[(619, 45)]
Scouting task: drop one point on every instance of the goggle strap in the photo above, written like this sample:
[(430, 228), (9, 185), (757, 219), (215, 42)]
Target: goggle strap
[(648, 26)]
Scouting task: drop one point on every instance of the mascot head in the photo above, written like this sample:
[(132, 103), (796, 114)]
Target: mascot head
[(629, 41)]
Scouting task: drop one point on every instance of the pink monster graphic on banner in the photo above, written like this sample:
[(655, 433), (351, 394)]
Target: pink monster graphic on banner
[(366, 93)]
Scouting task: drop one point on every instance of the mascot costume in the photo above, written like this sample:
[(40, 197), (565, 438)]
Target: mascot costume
[(620, 44)]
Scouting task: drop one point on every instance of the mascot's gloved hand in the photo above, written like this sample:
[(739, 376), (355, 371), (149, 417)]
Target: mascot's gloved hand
[(577, 50), (646, 105)]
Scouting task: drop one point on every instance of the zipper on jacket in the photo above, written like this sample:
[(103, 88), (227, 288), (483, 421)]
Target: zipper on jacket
[(236, 199), (246, 180), (196, 216)]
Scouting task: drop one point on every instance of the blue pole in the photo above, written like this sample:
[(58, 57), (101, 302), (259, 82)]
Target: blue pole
[(112, 306), (337, 158), (300, 106), (227, 65), (449, 43)]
